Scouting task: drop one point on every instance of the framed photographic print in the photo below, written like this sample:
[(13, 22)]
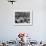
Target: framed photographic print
[(23, 17)]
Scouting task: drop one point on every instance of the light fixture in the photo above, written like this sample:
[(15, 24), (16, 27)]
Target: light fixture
[(12, 1)]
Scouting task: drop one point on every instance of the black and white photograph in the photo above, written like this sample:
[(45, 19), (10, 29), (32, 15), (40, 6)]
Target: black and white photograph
[(23, 18)]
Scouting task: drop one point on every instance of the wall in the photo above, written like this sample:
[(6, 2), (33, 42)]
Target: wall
[(9, 31)]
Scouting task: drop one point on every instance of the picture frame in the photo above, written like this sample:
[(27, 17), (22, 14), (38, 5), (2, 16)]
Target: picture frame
[(23, 17)]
